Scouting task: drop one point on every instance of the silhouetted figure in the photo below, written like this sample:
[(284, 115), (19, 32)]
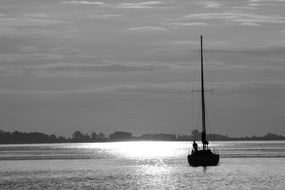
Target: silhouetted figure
[(195, 146), (204, 141)]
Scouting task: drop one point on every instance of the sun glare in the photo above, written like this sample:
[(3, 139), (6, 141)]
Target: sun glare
[(138, 149), (149, 149)]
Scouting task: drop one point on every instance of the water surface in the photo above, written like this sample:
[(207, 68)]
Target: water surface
[(141, 165)]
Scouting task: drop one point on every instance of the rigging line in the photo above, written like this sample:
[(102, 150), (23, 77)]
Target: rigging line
[(192, 106), (210, 113), (209, 76), (195, 71), (210, 116), (198, 114), (213, 120), (213, 112), (209, 125), (207, 69), (210, 82)]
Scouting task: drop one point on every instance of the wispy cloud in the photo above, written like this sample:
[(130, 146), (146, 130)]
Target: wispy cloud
[(147, 28), (8, 70), (67, 50), (145, 88), (209, 4), (85, 2), (186, 23), (80, 69), (258, 1), (182, 42), (133, 5), (239, 17), (28, 21), (108, 16), (249, 24), (28, 56), (139, 5)]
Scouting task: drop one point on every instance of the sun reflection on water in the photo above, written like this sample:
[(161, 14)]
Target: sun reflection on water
[(139, 150), (144, 149)]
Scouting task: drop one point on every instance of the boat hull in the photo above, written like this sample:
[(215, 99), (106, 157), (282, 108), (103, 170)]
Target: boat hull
[(203, 158)]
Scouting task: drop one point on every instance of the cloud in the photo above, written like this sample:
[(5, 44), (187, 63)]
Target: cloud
[(249, 24), (181, 43), (147, 28), (8, 70), (239, 17), (28, 49), (166, 89), (85, 2), (136, 5), (209, 4), (139, 5), (258, 1), (142, 88), (28, 20), (186, 24), (79, 69), (108, 16), (67, 50), (29, 23), (28, 56), (9, 31)]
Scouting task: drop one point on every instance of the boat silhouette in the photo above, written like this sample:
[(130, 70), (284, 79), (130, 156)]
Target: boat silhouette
[(203, 157)]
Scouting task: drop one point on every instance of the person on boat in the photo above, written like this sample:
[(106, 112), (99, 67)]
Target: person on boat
[(204, 141), (195, 146)]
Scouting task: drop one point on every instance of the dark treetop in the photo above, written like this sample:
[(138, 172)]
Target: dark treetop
[(17, 137)]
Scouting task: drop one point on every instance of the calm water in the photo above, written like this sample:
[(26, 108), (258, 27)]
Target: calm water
[(141, 165)]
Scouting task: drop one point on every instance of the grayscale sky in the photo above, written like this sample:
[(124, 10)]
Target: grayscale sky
[(130, 65)]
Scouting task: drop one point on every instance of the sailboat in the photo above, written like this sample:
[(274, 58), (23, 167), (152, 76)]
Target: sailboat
[(203, 157)]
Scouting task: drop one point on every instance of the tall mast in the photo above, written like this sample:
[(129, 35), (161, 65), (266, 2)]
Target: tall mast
[(204, 141)]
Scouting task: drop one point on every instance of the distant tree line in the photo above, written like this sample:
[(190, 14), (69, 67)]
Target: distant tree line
[(17, 137), (32, 137)]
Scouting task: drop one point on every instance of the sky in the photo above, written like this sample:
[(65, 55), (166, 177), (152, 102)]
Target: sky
[(131, 65)]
